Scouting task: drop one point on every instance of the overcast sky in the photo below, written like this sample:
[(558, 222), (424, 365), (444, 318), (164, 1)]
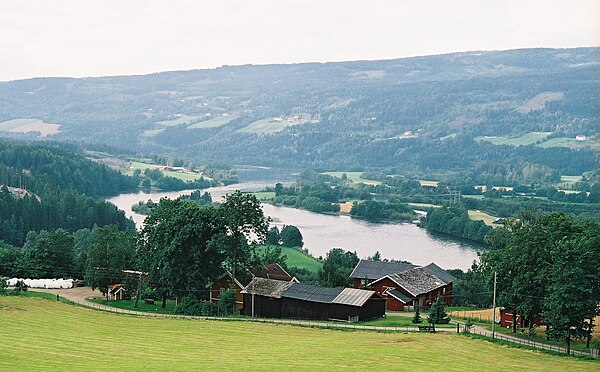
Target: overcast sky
[(118, 37)]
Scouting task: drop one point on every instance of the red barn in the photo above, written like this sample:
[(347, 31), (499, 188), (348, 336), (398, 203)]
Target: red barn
[(407, 287)]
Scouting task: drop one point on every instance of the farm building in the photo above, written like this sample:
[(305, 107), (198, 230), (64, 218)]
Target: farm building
[(506, 319), (403, 284), (227, 281), (279, 299), (116, 292)]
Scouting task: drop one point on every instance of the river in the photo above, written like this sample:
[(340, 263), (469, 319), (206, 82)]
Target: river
[(403, 241)]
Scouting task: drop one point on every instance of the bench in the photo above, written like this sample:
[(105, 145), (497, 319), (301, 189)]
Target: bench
[(426, 328), (149, 301)]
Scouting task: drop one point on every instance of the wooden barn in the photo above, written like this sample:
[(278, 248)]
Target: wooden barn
[(227, 281), (409, 286), (277, 299)]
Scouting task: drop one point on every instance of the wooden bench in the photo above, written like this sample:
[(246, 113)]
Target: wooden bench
[(426, 328)]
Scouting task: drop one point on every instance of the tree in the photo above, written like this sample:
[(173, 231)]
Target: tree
[(291, 236), (227, 302), (572, 300), (111, 252), (50, 255), (417, 317), (336, 268), (245, 226), (437, 313), (273, 236), (183, 247)]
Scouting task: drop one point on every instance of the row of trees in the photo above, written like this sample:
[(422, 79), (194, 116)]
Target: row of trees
[(455, 221), (548, 264)]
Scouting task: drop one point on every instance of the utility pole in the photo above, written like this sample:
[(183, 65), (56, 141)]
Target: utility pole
[(494, 306), (253, 295)]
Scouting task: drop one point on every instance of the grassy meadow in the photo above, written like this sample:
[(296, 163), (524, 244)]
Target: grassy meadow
[(523, 140), (184, 176), (40, 334), (212, 123)]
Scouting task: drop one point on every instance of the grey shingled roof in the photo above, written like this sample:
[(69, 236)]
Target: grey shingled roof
[(399, 295), (373, 270), (267, 287), (440, 273), (417, 281), (353, 297)]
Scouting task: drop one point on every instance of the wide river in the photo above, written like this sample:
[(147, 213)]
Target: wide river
[(322, 232)]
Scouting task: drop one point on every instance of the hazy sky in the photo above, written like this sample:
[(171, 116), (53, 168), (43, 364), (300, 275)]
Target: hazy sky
[(114, 37)]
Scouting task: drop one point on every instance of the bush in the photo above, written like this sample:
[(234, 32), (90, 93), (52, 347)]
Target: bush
[(3, 286), (227, 302), (437, 313)]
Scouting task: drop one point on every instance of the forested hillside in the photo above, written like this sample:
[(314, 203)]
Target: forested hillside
[(521, 110), (44, 187)]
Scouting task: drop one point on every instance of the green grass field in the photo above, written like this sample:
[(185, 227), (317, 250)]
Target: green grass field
[(130, 305), (523, 140), (354, 177), (38, 334), (297, 258), (212, 123), (183, 119), (265, 126), (570, 179)]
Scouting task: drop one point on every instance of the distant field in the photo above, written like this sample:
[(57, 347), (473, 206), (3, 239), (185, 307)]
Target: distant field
[(570, 179), (297, 258), (212, 123), (429, 183), (482, 216), (539, 101), (183, 119), (39, 334), (354, 177), (523, 140), (29, 125), (184, 176), (422, 206), (266, 126)]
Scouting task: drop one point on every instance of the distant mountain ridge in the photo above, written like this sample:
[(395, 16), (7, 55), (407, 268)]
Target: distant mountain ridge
[(443, 113)]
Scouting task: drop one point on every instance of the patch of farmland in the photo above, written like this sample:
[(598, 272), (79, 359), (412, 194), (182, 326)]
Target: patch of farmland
[(539, 101), (50, 335), (213, 123), (265, 126), (355, 177), (180, 120), (29, 125), (523, 140)]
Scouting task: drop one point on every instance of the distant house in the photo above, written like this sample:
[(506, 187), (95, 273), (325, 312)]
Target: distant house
[(227, 281), (403, 284), (280, 299), (580, 137), (116, 292)]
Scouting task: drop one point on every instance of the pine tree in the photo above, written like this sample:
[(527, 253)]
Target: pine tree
[(437, 313), (417, 317)]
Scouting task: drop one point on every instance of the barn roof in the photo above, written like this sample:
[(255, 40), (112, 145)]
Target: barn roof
[(416, 281), (342, 296), (440, 273), (372, 270), (399, 296), (267, 287), (353, 297), (308, 292)]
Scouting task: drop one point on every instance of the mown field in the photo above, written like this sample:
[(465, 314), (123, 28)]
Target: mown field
[(39, 334)]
